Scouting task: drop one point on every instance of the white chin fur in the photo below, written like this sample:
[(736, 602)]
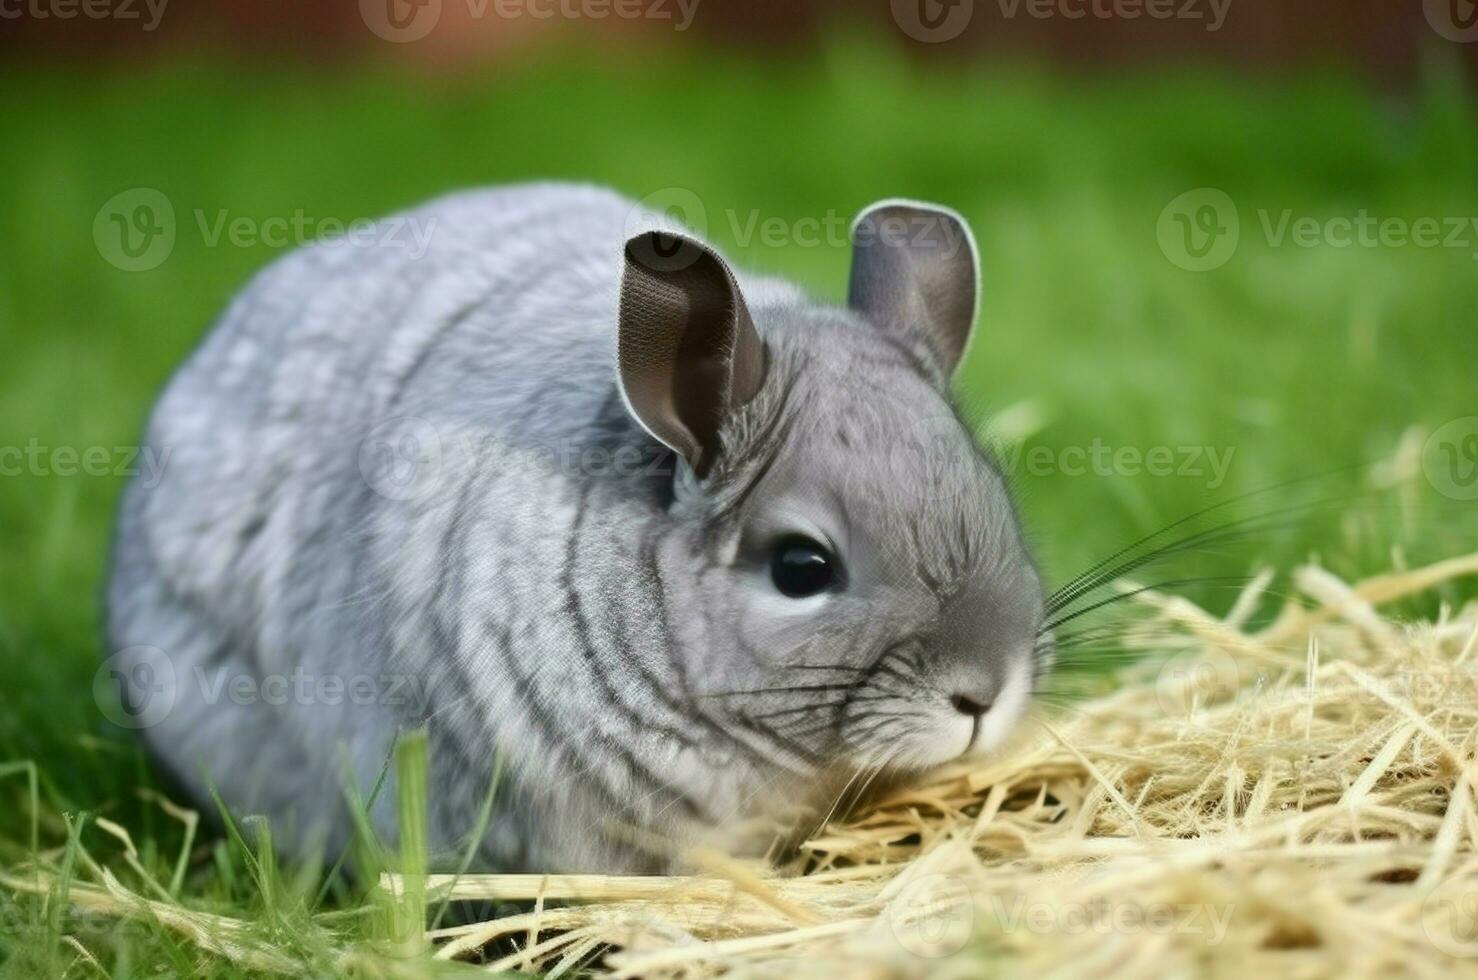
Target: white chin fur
[(1010, 706), (949, 736)]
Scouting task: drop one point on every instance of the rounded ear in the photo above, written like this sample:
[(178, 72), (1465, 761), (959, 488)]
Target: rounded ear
[(687, 352), (915, 268)]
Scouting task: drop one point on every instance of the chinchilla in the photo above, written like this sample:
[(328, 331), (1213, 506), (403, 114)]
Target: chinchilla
[(683, 548)]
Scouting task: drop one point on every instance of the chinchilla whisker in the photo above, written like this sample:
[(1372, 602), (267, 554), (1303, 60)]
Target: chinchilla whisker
[(891, 671), (1114, 628), (1180, 522), (803, 689), (1064, 703), (1229, 531), (785, 712), (1115, 631), (861, 735), (1123, 596), (882, 713), (863, 727), (916, 661), (1141, 630), (878, 753), (1199, 542), (898, 649), (802, 731), (843, 794), (1140, 644), (1221, 581), (786, 741), (1196, 542), (861, 792), (1084, 656), (1092, 656), (879, 695)]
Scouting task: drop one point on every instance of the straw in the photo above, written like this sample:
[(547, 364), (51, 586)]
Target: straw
[(1298, 799)]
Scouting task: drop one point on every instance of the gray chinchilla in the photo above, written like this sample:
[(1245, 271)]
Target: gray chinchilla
[(683, 548)]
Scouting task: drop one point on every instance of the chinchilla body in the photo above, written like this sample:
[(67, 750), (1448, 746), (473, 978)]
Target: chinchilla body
[(583, 504)]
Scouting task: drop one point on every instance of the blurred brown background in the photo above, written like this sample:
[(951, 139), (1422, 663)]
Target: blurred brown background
[(1385, 39)]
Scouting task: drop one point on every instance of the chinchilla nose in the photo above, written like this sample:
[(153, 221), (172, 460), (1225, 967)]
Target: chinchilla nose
[(973, 702), (984, 639)]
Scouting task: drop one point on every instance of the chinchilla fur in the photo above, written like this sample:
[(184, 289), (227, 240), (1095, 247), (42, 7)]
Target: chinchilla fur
[(683, 548)]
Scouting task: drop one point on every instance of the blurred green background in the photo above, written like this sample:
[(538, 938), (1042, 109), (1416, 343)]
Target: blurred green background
[(1289, 359)]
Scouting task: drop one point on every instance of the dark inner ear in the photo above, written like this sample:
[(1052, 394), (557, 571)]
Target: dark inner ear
[(914, 269), (687, 351)]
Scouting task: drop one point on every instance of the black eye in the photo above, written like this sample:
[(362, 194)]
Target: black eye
[(801, 567)]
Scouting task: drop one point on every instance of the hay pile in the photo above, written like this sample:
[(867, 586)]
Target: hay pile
[(1298, 798)]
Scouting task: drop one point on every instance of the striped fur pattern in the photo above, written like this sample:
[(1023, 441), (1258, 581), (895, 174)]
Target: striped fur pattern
[(416, 474)]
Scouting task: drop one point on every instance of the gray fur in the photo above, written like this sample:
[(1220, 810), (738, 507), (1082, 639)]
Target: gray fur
[(598, 629)]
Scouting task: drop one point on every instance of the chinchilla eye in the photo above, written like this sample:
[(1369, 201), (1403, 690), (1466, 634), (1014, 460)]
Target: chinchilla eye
[(801, 567)]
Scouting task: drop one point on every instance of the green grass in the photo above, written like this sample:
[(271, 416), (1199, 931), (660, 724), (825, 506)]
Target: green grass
[(1294, 360)]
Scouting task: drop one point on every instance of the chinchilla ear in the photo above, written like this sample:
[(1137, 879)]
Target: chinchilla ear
[(915, 268), (687, 352)]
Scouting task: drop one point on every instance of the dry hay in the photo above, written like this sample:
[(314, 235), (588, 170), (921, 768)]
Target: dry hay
[(1298, 799)]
